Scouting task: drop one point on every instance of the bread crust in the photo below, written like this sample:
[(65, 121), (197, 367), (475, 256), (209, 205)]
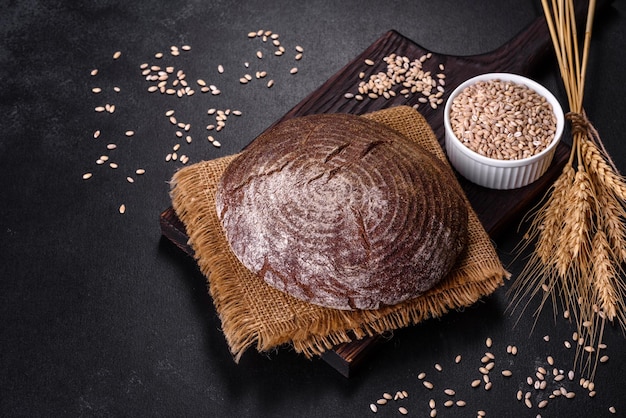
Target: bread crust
[(342, 212)]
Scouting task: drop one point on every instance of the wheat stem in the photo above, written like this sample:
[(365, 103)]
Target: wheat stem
[(583, 219), (587, 42)]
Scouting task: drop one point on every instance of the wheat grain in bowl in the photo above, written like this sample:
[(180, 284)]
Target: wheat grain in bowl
[(501, 130), (502, 119)]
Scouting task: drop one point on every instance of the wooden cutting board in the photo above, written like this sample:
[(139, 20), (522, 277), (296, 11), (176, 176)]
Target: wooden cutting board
[(496, 209)]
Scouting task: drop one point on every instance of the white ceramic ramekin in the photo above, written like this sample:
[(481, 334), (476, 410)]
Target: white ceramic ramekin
[(501, 174)]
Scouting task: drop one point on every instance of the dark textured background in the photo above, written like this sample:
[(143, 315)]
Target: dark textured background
[(100, 316)]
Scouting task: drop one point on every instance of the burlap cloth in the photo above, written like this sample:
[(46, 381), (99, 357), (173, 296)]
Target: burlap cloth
[(253, 313)]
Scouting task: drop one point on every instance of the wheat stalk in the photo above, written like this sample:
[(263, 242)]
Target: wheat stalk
[(603, 274), (580, 231), (602, 170)]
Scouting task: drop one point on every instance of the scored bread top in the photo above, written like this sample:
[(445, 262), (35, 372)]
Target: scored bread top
[(343, 212)]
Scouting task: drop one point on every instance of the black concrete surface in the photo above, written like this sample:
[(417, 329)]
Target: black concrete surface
[(100, 316)]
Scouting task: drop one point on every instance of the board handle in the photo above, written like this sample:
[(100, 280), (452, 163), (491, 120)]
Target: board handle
[(525, 51)]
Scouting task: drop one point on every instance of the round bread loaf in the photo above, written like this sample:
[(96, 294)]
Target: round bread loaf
[(343, 212)]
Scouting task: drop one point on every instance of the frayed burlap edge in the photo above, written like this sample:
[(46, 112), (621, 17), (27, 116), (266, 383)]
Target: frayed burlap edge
[(309, 329)]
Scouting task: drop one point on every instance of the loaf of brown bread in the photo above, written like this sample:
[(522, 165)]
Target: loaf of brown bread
[(343, 212)]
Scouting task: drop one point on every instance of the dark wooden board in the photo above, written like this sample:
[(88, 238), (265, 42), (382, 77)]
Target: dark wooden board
[(495, 208)]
